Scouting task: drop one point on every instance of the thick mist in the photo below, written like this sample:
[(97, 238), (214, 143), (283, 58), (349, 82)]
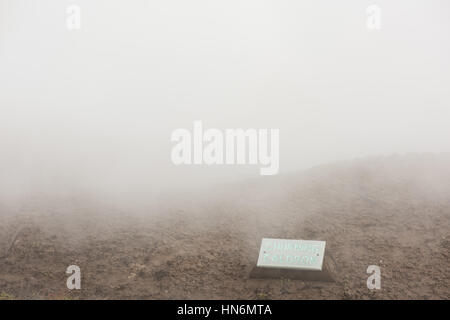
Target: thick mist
[(91, 111)]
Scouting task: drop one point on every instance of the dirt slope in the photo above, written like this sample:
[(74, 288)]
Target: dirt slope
[(392, 212)]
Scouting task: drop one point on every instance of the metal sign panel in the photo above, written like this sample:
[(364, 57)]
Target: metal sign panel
[(291, 254)]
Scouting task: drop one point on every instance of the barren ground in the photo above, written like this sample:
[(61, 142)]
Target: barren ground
[(378, 212)]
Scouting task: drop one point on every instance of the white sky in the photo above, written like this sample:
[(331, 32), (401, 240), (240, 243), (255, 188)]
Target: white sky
[(94, 108)]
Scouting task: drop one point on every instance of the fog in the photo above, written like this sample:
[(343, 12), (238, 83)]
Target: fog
[(92, 110)]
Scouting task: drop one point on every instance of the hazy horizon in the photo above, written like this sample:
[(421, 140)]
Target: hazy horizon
[(93, 109)]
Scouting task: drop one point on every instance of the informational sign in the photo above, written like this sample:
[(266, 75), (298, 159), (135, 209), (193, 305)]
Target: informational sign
[(291, 254)]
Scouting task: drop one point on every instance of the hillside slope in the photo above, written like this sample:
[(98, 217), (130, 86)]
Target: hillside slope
[(393, 212)]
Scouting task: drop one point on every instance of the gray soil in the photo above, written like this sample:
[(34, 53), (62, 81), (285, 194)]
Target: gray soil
[(391, 212)]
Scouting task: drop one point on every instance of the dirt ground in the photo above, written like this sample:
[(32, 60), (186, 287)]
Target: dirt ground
[(205, 249)]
